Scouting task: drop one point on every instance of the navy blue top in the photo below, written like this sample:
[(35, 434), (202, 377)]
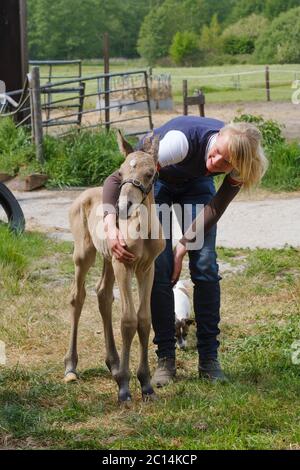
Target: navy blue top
[(197, 131)]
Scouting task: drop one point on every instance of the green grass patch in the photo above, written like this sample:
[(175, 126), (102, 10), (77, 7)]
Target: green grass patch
[(79, 159), (258, 409)]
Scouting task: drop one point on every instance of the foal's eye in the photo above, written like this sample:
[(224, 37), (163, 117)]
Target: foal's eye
[(149, 174)]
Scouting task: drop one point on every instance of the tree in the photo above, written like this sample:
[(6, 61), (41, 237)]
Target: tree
[(240, 37), (245, 8), (280, 42), (184, 49), (63, 29), (274, 7), (210, 39), (158, 29)]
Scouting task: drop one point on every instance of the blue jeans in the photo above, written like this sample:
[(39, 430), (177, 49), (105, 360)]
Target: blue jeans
[(203, 270)]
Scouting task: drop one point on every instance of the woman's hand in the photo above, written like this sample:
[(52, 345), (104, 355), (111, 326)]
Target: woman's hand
[(179, 254), (116, 241)]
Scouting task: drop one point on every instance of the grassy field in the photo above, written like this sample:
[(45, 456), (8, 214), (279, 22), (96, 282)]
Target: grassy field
[(258, 409), (221, 84)]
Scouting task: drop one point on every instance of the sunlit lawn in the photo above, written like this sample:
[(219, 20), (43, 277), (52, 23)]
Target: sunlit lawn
[(258, 409)]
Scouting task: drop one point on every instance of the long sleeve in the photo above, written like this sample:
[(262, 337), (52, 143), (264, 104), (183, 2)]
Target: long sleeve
[(111, 192), (213, 210)]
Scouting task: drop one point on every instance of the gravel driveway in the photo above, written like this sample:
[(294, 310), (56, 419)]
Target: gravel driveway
[(267, 221)]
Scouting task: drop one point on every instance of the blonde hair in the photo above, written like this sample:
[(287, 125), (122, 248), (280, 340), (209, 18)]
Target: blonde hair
[(246, 154)]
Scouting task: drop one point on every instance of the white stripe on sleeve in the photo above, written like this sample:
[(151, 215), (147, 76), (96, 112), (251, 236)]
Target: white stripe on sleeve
[(173, 148)]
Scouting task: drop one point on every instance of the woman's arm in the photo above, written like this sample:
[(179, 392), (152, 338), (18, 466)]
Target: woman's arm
[(116, 242), (212, 213), (111, 193), (214, 209)]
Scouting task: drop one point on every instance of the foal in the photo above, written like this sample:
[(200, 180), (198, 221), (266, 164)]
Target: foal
[(86, 220)]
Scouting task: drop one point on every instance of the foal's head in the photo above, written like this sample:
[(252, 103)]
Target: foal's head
[(137, 172)]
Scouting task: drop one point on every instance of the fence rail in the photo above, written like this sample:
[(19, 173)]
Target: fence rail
[(80, 103)]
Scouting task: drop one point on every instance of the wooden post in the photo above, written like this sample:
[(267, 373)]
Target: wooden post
[(106, 81), (37, 113), (148, 101), (202, 103), (185, 94), (268, 83)]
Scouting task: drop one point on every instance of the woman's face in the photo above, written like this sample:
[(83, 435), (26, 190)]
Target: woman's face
[(218, 157)]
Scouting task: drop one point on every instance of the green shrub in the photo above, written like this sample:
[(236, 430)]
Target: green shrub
[(251, 27), (84, 159), (211, 39), (284, 167), (16, 149), (284, 158), (240, 37), (280, 42), (271, 130), (238, 45), (80, 159), (184, 49)]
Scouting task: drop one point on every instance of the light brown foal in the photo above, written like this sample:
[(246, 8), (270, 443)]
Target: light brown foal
[(136, 210)]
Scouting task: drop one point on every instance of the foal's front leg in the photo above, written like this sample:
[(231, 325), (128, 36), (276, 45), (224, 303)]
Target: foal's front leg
[(123, 275), (145, 281)]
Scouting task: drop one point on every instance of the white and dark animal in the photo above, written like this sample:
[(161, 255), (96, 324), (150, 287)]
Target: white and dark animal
[(182, 312)]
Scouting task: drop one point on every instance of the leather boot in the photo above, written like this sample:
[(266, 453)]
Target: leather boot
[(165, 372), (210, 369)]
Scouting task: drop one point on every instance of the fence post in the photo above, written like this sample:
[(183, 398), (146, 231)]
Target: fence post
[(106, 81), (148, 101), (268, 83), (185, 94), (37, 123)]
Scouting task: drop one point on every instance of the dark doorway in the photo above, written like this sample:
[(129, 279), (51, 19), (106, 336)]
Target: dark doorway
[(13, 44)]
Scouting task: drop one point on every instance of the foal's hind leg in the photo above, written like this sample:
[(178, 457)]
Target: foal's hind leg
[(84, 257), (104, 291), (145, 281)]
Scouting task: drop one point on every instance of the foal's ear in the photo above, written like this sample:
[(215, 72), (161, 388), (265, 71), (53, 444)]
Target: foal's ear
[(155, 147), (124, 146), (151, 145)]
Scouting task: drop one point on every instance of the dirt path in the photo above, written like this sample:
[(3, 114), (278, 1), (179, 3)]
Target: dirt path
[(265, 220)]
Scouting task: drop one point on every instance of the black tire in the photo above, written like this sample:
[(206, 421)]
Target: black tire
[(12, 209)]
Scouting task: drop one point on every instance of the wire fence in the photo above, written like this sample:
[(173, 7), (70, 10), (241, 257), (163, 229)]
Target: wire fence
[(258, 84)]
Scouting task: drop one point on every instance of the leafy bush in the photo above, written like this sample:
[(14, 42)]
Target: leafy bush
[(239, 38), (16, 149), (271, 130), (284, 157), (184, 49), (238, 45), (211, 39), (84, 159), (280, 42), (284, 167), (251, 27), (80, 159)]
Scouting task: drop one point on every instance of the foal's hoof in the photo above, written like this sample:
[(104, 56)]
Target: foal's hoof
[(150, 397), (124, 398), (70, 377)]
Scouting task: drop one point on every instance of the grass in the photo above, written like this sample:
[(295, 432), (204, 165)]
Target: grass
[(80, 159), (224, 89), (259, 409)]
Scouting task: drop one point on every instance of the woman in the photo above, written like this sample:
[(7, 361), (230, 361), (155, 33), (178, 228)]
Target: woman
[(192, 150)]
